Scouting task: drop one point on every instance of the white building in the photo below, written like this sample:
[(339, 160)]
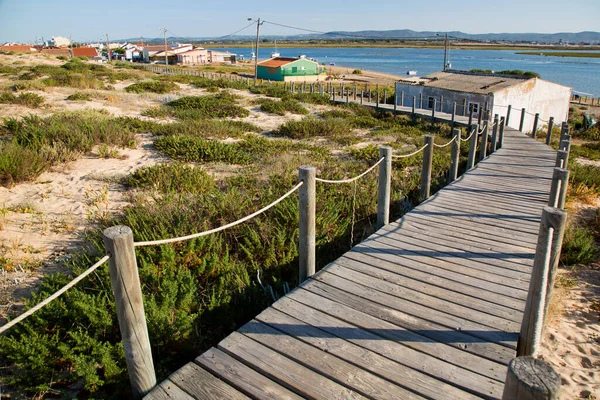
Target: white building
[(59, 41), (495, 92)]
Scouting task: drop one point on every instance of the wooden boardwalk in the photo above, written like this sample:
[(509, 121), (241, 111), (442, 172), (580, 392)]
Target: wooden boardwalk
[(427, 307)]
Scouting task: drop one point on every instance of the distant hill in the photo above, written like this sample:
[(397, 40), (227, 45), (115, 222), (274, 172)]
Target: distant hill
[(565, 37)]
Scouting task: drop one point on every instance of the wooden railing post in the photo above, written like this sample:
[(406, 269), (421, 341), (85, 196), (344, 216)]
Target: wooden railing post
[(494, 143), (414, 104), (377, 96), (484, 140), (536, 120), (347, 96), (395, 103), (501, 133), (472, 146), (480, 115), (549, 134), (523, 113), (464, 108), (384, 188), (508, 113), (433, 110), (426, 170), (471, 111), (529, 378), (307, 208), (361, 97), (354, 91), (420, 100), (454, 156), (558, 188), (384, 96), (565, 143), (564, 129), (402, 98), (562, 159), (453, 115), (125, 282), (542, 280)]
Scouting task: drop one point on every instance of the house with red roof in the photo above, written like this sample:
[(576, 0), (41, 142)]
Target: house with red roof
[(290, 69)]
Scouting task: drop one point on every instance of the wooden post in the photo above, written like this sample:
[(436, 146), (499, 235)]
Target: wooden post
[(453, 115), (494, 143), (377, 96), (361, 97), (544, 268), (125, 282), (426, 170), (480, 115), (508, 114), (564, 130), (354, 91), (565, 144), (420, 101), (474, 128), (536, 120), (441, 104), (306, 205), (464, 112), (334, 95), (454, 156), (395, 103), (433, 111), (529, 378), (523, 113), (347, 96), (321, 90), (484, 141), (562, 159), (384, 190), (369, 94), (402, 98), (413, 106), (501, 133), (558, 188), (471, 111), (549, 134), (384, 96)]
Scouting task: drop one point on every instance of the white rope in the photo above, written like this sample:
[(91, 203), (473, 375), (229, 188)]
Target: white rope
[(68, 286), (352, 179), (222, 228), (467, 139), (411, 154), (444, 145)]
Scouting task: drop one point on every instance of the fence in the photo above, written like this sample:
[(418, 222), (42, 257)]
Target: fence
[(121, 256)]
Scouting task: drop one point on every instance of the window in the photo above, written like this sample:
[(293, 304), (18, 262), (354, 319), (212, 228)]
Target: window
[(431, 102), (474, 107), (294, 69)]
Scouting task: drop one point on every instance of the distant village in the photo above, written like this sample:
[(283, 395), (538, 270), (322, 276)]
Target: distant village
[(175, 53)]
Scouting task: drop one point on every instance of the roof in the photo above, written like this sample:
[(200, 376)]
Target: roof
[(157, 47), (57, 52), (85, 52), (470, 82), (278, 62), (21, 48), (198, 49)]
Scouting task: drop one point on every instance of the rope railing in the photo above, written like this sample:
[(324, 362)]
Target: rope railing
[(469, 138), (47, 301), (350, 180), (221, 228), (410, 154), (444, 145)]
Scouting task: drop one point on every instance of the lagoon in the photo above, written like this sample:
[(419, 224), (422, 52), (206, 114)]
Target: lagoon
[(582, 74)]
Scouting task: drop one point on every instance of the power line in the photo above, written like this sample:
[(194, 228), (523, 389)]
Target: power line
[(239, 30)]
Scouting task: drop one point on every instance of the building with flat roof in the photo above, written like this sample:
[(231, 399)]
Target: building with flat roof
[(290, 69)]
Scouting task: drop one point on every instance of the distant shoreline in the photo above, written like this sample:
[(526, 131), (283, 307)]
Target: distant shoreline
[(561, 54)]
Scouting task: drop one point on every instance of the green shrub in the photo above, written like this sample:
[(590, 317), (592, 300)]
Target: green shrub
[(578, 246), (79, 96), (357, 72), (172, 178), (64, 58), (591, 151), (222, 105), (196, 149), (281, 107), (32, 100), (309, 127), (153, 87)]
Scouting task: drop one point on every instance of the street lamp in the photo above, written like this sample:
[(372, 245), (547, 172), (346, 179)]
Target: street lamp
[(258, 24)]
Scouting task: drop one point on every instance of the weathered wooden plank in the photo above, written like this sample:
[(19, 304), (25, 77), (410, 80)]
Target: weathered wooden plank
[(428, 283), (201, 384), (243, 378), (448, 350), (167, 390), (467, 201), (282, 370), (356, 378), (344, 345), (424, 299)]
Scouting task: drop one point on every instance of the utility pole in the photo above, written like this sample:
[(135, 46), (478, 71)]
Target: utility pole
[(108, 48), (445, 51), (166, 55), (258, 24), (71, 45)]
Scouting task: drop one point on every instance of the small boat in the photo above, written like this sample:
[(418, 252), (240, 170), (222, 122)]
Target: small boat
[(332, 63), (276, 52), (411, 73)]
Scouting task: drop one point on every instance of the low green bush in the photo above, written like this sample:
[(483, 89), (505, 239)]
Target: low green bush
[(222, 105), (172, 178), (189, 148), (79, 96), (310, 127), (160, 87), (578, 247), (357, 72), (32, 100), (591, 151), (281, 107)]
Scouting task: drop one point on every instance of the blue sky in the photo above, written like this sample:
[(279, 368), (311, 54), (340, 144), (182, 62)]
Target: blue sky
[(23, 20)]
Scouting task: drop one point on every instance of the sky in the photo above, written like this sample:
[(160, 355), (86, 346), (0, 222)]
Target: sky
[(24, 20)]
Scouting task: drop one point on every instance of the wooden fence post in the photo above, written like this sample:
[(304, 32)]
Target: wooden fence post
[(426, 170), (441, 104), (529, 378), (545, 263), (471, 111), (453, 115), (565, 144), (354, 91), (414, 103), (433, 110), (384, 188), (377, 96), (384, 96), (484, 140), (494, 143), (125, 282), (523, 113), (464, 112), (508, 113), (562, 159), (361, 97), (454, 156), (564, 130), (501, 133), (402, 98), (549, 134), (420, 101), (474, 128), (307, 208), (395, 103), (536, 120), (558, 188), (480, 115), (347, 96)]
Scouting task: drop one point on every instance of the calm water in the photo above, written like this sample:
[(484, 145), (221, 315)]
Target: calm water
[(582, 74)]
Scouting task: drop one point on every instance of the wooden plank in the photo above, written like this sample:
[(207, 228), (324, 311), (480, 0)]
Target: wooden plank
[(243, 378), (344, 346), (328, 364), (167, 390), (464, 201), (425, 299), (430, 329), (200, 384), (282, 370), (429, 317), (448, 350), (417, 278)]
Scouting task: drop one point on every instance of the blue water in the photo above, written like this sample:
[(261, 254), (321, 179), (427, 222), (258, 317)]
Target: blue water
[(582, 74)]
